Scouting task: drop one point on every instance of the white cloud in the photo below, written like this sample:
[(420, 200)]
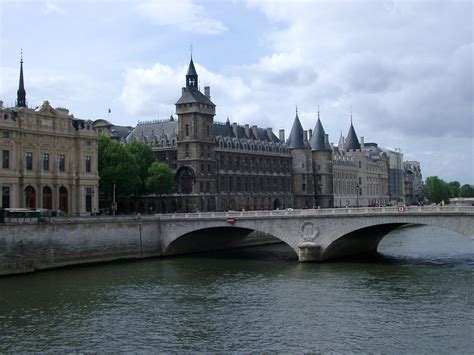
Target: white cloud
[(183, 14), (51, 7)]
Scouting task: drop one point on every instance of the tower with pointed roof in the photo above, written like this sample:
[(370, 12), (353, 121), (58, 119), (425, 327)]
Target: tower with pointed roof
[(21, 93), (195, 144), (302, 186), (322, 166)]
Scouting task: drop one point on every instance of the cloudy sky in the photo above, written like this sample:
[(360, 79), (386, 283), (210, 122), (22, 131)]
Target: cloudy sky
[(403, 68)]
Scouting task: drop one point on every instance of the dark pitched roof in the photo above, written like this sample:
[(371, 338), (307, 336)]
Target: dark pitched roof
[(295, 140), (191, 68), (227, 130), (352, 142), (191, 95), (317, 140)]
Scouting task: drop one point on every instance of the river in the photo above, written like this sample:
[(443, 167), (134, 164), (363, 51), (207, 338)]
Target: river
[(416, 296)]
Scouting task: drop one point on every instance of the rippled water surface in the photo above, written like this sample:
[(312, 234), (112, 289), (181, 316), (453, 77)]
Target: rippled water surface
[(415, 297)]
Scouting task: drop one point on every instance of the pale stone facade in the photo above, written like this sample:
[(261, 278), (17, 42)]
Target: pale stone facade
[(49, 160)]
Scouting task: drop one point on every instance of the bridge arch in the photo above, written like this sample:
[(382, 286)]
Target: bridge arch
[(220, 237)]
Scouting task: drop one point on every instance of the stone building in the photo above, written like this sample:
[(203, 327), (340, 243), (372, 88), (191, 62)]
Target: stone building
[(227, 166), (413, 182), (49, 158)]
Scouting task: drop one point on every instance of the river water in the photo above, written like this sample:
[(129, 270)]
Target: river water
[(416, 296)]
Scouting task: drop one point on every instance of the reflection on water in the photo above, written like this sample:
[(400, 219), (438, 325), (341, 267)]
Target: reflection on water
[(415, 297)]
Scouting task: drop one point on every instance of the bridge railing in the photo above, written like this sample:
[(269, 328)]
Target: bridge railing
[(323, 211)]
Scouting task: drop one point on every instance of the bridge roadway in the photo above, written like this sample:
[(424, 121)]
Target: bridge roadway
[(314, 234)]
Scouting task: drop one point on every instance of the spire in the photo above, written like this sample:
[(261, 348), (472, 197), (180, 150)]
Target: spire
[(191, 76), (21, 93), (351, 142), (318, 139), (295, 140)]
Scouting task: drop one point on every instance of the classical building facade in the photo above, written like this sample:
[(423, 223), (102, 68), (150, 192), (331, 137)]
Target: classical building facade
[(49, 158), (227, 166), (413, 182)]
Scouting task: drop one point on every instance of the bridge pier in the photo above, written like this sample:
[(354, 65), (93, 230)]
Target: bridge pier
[(309, 252)]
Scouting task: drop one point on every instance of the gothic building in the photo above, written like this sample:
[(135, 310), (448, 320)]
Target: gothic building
[(227, 166), (49, 158)]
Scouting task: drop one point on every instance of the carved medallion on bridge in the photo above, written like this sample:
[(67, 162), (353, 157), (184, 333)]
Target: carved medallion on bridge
[(310, 232)]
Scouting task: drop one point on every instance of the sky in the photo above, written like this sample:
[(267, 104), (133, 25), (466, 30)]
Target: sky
[(403, 69)]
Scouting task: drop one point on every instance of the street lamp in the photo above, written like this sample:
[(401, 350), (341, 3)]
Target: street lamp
[(357, 195), (114, 206)]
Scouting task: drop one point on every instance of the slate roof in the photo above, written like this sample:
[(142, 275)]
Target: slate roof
[(351, 142), (191, 95), (317, 140), (295, 140)]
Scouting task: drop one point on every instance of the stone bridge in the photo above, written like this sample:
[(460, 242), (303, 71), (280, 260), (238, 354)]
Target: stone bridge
[(314, 235)]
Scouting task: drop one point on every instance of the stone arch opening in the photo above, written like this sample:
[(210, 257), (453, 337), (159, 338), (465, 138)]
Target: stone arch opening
[(220, 238), (63, 199), (47, 198)]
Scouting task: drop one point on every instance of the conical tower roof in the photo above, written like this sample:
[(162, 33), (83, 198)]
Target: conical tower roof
[(351, 142), (295, 140), (317, 140), (191, 68)]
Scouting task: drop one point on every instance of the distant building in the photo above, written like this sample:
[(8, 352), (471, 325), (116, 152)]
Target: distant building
[(49, 158), (396, 175), (106, 128), (413, 182)]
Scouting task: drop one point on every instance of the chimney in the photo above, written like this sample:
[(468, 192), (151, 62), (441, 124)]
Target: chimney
[(270, 133), (234, 128), (362, 142), (305, 136), (281, 135), (247, 131), (183, 90), (207, 92), (310, 133), (255, 131)]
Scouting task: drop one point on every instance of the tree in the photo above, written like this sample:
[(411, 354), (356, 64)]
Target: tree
[(160, 179), (436, 190), (454, 188), (144, 157), (116, 164), (466, 191)]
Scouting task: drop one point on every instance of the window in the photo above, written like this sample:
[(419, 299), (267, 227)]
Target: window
[(360, 164), (6, 159), (6, 134), (29, 161), (186, 128), (88, 164), (5, 197), (88, 199), (208, 130), (46, 162), (187, 150), (61, 162), (88, 142)]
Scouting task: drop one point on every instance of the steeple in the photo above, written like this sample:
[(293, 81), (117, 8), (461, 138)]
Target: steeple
[(351, 142), (318, 139), (21, 93), (191, 76), (295, 140)]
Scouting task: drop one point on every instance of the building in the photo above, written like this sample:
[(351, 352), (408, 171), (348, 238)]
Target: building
[(49, 158), (396, 179), (413, 182), (227, 166)]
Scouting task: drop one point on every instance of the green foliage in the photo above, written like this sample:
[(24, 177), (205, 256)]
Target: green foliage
[(454, 188), (466, 191), (117, 164), (160, 179), (436, 190), (144, 157)]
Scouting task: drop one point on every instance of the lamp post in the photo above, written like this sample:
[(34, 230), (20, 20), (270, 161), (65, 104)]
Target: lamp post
[(357, 195), (114, 206)]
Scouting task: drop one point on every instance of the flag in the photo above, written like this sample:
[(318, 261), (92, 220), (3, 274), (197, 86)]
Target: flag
[(110, 110)]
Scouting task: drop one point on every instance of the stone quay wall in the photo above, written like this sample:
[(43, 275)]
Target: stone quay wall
[(61, 242)]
